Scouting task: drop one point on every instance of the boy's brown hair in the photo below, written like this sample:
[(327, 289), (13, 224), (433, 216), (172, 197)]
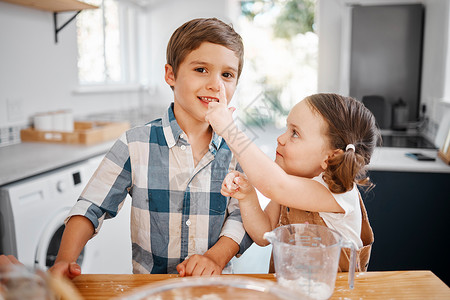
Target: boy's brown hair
[(193, 33)]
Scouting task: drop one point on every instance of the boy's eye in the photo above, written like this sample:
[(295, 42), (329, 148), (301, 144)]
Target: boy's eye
[(201, 70), (295, 134), (228, 75)]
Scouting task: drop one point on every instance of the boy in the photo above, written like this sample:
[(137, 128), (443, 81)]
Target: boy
[(173, 167)]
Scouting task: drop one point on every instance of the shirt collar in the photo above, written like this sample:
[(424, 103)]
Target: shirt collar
[(172, 131), (215, 143)]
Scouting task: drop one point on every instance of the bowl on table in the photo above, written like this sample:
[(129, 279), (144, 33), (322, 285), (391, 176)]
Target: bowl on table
[(211, 288)]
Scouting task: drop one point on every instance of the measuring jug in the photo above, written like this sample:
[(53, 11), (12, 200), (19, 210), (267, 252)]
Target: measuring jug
[(306, 258)]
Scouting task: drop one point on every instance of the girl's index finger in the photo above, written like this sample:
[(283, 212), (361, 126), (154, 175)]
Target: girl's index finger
[(222, 94)]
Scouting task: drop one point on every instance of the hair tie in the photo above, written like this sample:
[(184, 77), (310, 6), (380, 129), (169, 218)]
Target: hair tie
[(350, 146)]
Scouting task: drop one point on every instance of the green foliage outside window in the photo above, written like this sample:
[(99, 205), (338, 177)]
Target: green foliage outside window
[(284, 77), (296, 16)]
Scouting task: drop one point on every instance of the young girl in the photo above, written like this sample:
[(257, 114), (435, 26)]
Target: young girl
[(320, 159)]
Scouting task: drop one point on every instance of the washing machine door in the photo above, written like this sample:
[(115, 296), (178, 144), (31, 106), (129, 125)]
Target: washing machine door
[(50, 241)]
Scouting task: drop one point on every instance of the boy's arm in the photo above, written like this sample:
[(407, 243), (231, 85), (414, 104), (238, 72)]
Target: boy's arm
[(223, 251), (86, 217), (77, 233), (8, 260)]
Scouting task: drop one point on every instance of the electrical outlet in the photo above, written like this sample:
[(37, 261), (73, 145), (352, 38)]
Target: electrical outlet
[(14, 109)]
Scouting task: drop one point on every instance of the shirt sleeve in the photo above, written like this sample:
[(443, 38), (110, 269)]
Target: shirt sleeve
[(233, 227), (107, 189)]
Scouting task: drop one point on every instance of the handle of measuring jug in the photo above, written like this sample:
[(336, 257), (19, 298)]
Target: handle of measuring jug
[(352, 264)]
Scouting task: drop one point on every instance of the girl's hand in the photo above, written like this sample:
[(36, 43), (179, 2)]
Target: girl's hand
[(236, 185), (219, 115)]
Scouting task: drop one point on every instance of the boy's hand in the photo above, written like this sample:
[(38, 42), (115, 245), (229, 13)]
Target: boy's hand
[(219, 115), (63, 268), (8, 260), (198, 265), (236, 185)]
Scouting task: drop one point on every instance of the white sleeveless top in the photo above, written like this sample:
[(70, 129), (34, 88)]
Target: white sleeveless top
[(349, 223)]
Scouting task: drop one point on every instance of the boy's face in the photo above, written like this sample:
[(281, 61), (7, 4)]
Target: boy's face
[(200, 78)]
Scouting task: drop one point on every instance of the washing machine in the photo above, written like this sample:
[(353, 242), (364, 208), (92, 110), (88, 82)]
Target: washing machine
[(32, 213)]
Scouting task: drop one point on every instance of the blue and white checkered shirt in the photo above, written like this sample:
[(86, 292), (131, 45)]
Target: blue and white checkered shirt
[(177, 209)]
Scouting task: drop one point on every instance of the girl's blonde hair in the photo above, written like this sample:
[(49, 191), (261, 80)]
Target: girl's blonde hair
[(349, 122)]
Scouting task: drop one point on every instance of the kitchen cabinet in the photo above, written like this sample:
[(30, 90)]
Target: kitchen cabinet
[(408, 212)]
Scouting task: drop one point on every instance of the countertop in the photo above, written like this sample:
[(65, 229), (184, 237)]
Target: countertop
[(394, 159), (24, 160), (368, 285), (27, 159)]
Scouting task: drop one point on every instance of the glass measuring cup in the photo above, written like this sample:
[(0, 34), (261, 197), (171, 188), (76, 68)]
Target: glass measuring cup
[(18, 282), (306, 258)]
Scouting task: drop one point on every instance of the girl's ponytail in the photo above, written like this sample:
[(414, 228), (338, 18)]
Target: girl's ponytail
[(344, 169)]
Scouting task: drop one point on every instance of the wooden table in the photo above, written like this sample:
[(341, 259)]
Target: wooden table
[(368, 285)]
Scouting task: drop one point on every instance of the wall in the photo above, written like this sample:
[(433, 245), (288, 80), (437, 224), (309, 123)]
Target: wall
[(38, 75), (435, 70), (447, 79), (334, 24), (331, 21)]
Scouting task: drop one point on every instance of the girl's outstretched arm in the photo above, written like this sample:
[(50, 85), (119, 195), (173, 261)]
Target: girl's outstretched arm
[(265, 175), (256, 221)]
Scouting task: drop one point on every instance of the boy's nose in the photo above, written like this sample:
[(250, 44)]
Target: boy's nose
[(214, 84)]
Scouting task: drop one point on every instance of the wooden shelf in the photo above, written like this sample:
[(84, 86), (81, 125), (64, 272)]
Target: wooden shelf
[(54, 5)]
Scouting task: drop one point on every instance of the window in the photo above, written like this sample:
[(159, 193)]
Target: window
[(281, 56), (108, 47)]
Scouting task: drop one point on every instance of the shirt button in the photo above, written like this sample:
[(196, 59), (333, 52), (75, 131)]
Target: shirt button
[(182, 136), (183, 147), (188, 222)]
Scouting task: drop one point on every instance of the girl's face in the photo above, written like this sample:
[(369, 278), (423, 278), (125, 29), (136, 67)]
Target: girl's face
[(304, 148)]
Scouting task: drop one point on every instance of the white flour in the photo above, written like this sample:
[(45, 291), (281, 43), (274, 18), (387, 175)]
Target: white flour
[(310, 288)]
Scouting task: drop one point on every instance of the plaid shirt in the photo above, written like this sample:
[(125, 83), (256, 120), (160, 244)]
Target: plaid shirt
[(177, 209)]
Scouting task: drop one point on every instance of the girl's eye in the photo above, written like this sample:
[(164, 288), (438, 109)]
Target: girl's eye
[(201, 70), (295, 134)]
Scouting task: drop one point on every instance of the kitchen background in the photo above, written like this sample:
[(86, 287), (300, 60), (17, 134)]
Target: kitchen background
[(39, 74)]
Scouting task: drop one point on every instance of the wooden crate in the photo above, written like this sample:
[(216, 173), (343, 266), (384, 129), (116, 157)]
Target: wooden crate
[(445, 156), (444, 152), (85, 133)]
